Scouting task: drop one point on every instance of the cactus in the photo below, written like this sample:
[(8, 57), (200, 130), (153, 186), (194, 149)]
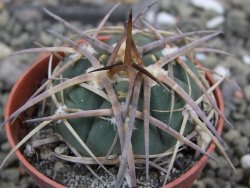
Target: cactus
[(130, 97), (96, 130)]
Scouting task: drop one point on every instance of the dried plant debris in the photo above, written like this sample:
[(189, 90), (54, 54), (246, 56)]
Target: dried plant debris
[(125, 107)]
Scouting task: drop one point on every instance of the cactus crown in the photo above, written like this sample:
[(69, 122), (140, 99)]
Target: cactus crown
[(129, 97)]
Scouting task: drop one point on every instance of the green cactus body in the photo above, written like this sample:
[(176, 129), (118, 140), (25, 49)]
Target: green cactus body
[(99, 133)]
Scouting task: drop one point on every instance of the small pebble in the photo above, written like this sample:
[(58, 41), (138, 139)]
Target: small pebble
[(209, 182), (238, 19), (210, 173), (232, 135), (228, 90), (246, 59), (5, 147), (212, 164), (166, 19), (245, 161), (10, 174), (47, 3), (211, 5), (10, 67), (57, 28), (237, 175), (8, 184), (224, 173), (215, 22), (20, 40), (46, 38), (30, 26), (201, 56), (222, 71), (244, 128), (5, 51), (241, 145), (238, 116), (17, 29), (198, 184), (222, 162), (28, 15), (223, 183)]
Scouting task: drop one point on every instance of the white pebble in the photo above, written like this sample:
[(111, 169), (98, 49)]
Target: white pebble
[(201, 56), (215, 22), (246, 59), (245, 161), (150, 16), (222, 71), (5, 51), (209, 5), (166, 19), (167, 51)]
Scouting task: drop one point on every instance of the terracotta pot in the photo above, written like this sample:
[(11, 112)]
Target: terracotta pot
[(26, 86)]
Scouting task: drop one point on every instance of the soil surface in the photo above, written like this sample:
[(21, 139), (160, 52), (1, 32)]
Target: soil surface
[(23, 22)]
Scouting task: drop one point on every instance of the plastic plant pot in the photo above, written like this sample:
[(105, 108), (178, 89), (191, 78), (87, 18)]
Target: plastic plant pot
[(26, 86)]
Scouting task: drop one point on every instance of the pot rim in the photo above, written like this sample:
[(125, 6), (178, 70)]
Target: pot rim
[(197, 166)]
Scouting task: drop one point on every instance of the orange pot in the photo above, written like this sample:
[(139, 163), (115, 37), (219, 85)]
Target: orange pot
[(26, 86)]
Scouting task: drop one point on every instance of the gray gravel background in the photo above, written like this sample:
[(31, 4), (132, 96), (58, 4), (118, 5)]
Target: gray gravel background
[(23, 22)]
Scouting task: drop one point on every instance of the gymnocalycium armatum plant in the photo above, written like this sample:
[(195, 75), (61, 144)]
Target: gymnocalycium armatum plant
[(128, 98)]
